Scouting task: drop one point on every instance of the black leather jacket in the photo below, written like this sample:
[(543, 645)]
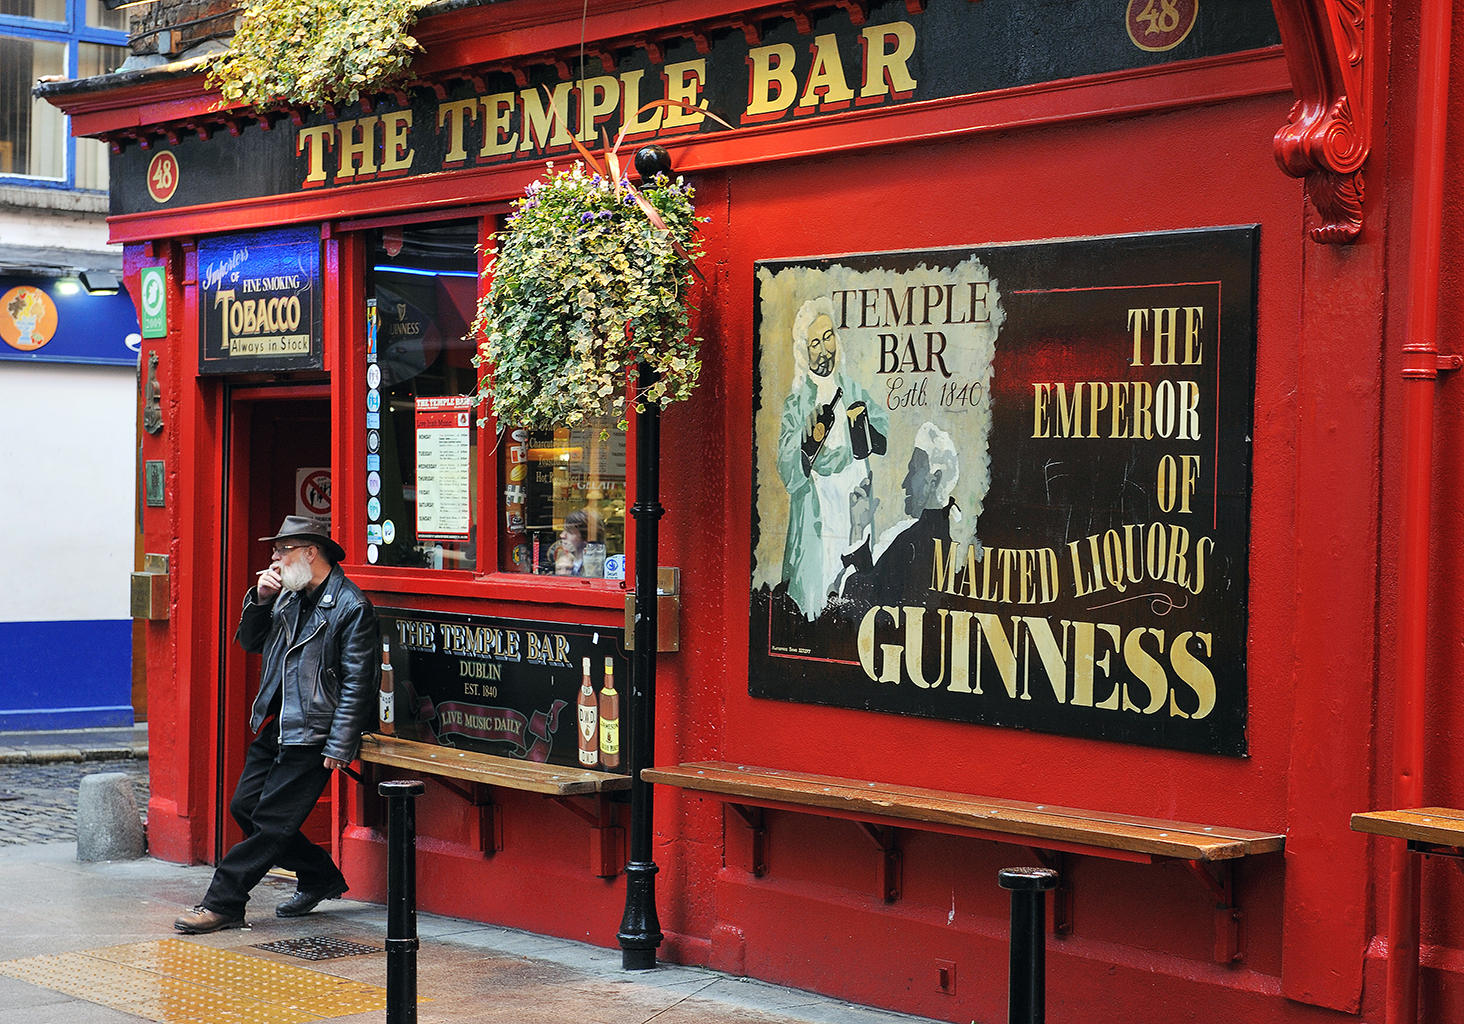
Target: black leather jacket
[(331, 670)]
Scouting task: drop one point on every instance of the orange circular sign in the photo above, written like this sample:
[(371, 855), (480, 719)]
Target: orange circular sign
[(27, 318), (162, 176), (1158, 25)]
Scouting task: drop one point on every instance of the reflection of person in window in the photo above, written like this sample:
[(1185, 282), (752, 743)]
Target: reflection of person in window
[(829, 429), (568, 553)]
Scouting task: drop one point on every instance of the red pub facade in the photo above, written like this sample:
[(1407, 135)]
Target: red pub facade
[(1144, 574)]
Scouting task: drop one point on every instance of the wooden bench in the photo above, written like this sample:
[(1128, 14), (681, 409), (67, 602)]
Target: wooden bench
[(471, 766), (1436, 831), (1048, 830), (554, 782)]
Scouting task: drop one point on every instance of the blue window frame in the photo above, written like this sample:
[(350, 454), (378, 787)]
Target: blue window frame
[(75, 38)]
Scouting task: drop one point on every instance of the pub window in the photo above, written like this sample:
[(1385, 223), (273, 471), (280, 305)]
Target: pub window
[(421, 427), (564, 500)]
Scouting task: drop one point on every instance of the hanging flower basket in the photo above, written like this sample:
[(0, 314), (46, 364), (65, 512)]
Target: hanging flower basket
[(591, 277), (314, 52)]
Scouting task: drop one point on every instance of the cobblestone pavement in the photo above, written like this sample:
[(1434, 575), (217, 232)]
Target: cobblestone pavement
[(38, 801)]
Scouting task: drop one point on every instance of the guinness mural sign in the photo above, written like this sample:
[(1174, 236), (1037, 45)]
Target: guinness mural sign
[(259, 302), (753, 75), (1010, 485)]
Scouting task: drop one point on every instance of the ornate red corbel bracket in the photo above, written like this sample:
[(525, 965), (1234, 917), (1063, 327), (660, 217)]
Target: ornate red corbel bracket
[(1325, 141)]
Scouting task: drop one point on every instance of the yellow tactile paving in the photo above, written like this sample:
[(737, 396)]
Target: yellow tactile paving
[(249, 977), (174, 981)]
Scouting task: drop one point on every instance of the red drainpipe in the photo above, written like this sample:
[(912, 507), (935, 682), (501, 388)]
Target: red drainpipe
[(1420, 373)]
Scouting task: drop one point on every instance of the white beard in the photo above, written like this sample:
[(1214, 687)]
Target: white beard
[(296, 576)]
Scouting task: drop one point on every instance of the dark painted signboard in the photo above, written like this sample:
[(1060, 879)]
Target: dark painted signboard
[(764, 71), (260, 301), (1010, 485), (510, 687)]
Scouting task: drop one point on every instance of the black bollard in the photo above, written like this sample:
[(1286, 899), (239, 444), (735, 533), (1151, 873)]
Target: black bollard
[(401, 899), (1027, 968)]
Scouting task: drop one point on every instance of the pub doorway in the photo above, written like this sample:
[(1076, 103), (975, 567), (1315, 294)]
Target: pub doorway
[(279, 464)]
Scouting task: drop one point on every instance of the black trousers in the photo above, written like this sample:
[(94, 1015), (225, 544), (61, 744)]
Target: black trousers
[(277, 790)]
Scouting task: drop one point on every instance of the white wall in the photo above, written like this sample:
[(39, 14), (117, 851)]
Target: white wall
[(67, 490), (61, 229)]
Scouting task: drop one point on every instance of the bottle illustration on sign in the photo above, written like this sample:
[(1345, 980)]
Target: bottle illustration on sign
[(589, 741), (817, 431), (388, 691), (609, 719)]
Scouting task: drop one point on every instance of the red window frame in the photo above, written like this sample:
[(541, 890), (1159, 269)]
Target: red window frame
[(345, 334)]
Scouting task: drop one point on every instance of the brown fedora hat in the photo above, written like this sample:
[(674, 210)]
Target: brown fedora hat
[(310, 528)]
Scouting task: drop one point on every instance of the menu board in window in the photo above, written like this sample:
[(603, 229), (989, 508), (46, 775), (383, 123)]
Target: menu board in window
[(444, 467)]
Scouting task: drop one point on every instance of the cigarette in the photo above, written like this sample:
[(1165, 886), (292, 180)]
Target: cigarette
[(261, 572)]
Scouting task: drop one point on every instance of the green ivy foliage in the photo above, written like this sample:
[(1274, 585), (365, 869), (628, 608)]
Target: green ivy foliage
[(584, 286), (313, 52)]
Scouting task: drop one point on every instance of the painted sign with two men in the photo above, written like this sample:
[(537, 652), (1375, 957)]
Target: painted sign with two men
[(1009, 485)]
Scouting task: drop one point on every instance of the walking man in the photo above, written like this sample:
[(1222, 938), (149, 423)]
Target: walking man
[(319, 676)]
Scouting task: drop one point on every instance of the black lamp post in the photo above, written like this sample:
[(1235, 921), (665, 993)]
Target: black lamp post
[(640, 929)]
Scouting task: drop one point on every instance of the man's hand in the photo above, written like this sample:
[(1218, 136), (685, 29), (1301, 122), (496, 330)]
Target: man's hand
[(335, 764), (862, 507), (269, 584)]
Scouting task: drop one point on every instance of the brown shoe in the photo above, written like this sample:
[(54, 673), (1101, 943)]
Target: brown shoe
[(201, 921)]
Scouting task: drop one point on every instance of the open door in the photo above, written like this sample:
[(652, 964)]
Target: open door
[(279, 465)]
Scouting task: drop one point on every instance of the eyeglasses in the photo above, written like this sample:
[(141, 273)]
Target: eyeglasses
[(284, 549)]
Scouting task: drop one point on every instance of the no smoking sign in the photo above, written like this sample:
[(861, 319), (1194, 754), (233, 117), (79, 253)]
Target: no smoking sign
[(312, 491)]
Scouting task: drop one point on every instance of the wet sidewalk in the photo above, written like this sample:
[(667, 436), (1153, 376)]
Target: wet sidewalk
[(73, 745), (94, 944)]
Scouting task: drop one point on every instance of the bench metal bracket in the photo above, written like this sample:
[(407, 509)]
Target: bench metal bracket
[(1229, 919), (607, 839), (1062, 896), (490, 815), (890, 879), (753, 818), (1437, 850)]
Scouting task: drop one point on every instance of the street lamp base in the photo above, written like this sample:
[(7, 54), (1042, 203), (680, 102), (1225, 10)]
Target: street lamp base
[(640, 929)]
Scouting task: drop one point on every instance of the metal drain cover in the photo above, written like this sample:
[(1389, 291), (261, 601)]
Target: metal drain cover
[(317, 947)]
